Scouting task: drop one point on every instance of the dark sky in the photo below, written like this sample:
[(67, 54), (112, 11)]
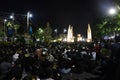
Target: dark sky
[(60, 13)]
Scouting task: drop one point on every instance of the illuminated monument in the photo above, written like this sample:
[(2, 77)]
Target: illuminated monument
[(79, 38), (70, 37), (89, 34)]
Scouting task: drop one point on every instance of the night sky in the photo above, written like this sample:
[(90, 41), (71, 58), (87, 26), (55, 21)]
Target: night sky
[(60, 13)]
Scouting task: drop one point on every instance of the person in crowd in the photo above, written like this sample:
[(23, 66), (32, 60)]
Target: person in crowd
[(5, 67), (97, 50), (113, 66)]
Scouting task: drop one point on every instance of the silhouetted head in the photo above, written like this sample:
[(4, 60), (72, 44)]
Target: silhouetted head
[(117, 38)]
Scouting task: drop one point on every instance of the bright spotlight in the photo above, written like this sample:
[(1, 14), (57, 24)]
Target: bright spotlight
[(5, 20), (11, 17), (30, 15), (112, 11)]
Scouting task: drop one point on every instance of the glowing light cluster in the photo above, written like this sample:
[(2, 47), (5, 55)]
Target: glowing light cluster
[(89, 34), (70, 37)]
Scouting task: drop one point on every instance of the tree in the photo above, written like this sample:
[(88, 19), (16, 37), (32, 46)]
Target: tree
[(1, 33), (107, 25), (39, 34), (16, 27), (13, 26), (1, 30), (117, 2), (44, 34), (48, 33), (99, 27)]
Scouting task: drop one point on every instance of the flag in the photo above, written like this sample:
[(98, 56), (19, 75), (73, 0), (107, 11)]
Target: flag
[(10, 31), (30, 30)]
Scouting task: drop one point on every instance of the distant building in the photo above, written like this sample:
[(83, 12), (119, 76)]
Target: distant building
[(70, 37)]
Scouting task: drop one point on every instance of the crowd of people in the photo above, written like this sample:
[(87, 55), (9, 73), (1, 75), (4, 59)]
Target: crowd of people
[(51, 61)]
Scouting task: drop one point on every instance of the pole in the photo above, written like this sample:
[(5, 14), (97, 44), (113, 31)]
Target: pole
[(4, 30), (13, 26), (28, 22), (28, 15), (5, 20)]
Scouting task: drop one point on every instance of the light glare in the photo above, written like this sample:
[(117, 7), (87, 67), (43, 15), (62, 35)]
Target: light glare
[(11, 17), (5, 20), (30, 15), (112, 11)]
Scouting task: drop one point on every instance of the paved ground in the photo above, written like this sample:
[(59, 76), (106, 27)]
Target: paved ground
[(82, 76), (75, 76)]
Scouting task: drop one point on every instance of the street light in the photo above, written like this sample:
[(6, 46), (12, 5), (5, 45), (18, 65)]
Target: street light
[(55, 31), (12, 17), (112, 11), (5, 20), (29, 15)]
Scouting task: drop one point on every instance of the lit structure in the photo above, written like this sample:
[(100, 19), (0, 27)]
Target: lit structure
[(79, 38), (70, 37), (89, 34)]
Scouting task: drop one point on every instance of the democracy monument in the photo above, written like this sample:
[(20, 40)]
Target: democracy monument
[(70, 37)]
